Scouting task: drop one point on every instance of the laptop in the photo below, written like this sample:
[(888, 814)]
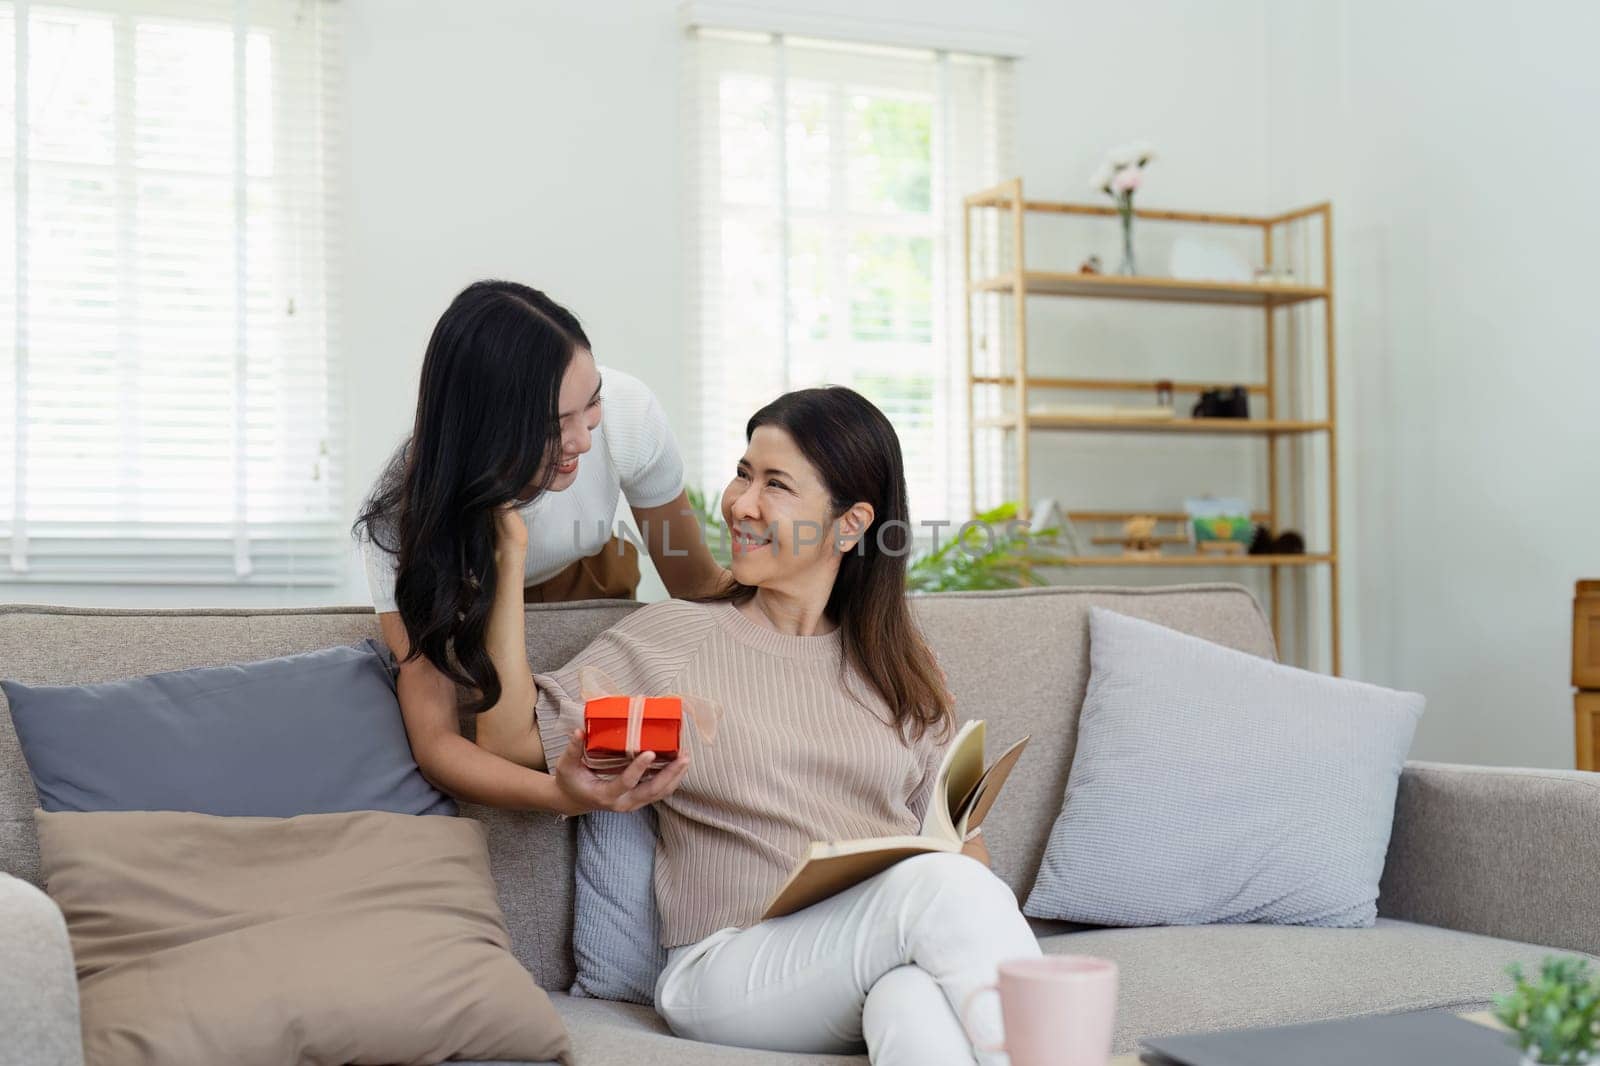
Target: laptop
[(1423, 1037)]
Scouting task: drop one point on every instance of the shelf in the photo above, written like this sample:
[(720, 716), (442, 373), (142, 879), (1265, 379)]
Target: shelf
[(1034, 381), (1203, 426), (1197, 560), (1008, 196), (1170, 290)]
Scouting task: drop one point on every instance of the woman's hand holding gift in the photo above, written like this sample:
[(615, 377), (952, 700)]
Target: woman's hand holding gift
[(629, 790)]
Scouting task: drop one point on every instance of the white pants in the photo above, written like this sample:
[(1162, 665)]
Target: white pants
[(889, 961)]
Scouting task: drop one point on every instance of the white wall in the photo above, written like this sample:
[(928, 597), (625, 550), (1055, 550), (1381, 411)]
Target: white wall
[(1459, 141), (539, 140)]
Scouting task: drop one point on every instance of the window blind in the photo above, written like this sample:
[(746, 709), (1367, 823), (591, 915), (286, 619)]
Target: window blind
[(826, 189), (169, 408)]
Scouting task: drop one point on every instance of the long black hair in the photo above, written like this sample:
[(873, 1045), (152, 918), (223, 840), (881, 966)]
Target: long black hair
[(488, 420), (856, 452)]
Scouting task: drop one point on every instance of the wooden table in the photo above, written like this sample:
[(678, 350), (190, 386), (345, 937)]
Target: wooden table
[(1481, 1017)]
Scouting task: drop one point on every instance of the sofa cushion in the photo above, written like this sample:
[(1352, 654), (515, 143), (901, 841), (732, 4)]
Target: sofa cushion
[(1200, 978), (359, 937), (616, 930), (1183, 979), (605, 1032), (1211, 786), (309, 733)]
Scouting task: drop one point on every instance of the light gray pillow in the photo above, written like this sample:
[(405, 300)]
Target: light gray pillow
[(314, 733), (616, 931), (1212, 786)]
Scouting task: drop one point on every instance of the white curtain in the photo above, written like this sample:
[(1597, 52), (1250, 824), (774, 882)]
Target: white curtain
[(169, 409), (826, 189)]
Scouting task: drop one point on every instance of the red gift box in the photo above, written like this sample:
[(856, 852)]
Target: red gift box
[(605, 727)]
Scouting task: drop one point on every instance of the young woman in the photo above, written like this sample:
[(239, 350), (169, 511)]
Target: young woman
[(835, 717), (510, 415)]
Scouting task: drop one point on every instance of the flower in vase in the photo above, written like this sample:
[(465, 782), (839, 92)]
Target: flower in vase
[(1119, 177), (1127, 180)]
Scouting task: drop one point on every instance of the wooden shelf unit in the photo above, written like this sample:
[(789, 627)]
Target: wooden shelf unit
[(1020, 282)]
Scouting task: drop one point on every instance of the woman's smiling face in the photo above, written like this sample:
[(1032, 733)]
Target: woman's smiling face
[(579, 417), (779, 515)]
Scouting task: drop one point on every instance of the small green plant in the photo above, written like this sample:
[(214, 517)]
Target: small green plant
[(1556, 1018), (994, 552)]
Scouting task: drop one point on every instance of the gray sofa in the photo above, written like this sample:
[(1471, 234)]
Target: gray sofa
[(1485, 865)]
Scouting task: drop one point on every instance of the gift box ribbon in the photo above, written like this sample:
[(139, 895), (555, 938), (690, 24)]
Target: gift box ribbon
[(705, 713)]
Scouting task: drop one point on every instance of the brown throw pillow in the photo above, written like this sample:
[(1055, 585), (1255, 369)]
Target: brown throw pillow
[(364, 937)]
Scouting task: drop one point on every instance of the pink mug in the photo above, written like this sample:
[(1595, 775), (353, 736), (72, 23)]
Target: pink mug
[(1058, 1010)]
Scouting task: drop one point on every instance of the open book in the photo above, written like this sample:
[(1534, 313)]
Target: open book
[(963, 792)]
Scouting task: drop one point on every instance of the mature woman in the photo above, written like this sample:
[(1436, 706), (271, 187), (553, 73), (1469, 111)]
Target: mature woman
[(835, 716), (513, 412)]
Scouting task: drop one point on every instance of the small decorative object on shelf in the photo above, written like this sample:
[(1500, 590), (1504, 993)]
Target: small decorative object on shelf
[(1119, 177), (1286, 543), (1090, 265), (1139, 540), (1050, 522), (1231, 402), (1219, 525), (1555, 1019), (1274, 276)]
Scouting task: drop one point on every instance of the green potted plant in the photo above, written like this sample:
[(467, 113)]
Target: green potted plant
[(1554, 1019), (996, 553)]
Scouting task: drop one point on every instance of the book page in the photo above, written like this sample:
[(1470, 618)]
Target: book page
[(959, 771), (975, 808)]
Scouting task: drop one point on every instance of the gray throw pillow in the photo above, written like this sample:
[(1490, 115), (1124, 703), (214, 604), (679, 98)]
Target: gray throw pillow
[(1213, 786), (616, 931), (315, 733)]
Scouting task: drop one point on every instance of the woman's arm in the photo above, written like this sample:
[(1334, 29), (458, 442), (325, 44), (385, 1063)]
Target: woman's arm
[(509, 729), (677, 546), (449, 760)]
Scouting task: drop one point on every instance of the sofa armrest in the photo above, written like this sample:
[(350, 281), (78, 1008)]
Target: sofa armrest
[(38, 984), (1503, 852)]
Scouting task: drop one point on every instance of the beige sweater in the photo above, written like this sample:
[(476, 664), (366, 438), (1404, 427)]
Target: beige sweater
[(795, 759)]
